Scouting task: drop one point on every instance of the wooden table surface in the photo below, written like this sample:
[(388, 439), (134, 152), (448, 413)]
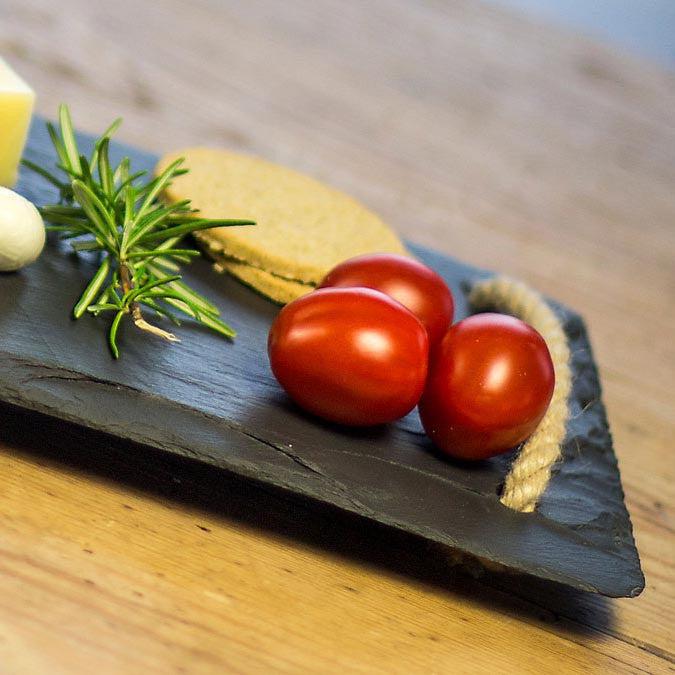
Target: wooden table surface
[(496, 140)]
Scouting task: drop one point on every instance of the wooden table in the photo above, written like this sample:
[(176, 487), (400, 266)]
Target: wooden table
[(499, 141)]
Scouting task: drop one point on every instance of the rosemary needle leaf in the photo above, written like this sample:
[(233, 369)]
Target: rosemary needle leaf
[(68, 136), (87, 245), (68, 229), (104, 136), (190, 227), (95, 210), (74, 233), (85, 171), (219, 327), (147, 223), (159, 184), (127, 181), (44, 173), (194, 297), (190, 252), (101, 307), (143, 290), (209, 321), (121, 173), (57, 143), (167, 264), (187, 292), (62, 219), (104, 171), (174, 259), (161, 311), (103, 298), (92, 290), (112, 336)]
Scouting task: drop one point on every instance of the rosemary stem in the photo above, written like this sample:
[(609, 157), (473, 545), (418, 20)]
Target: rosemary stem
[(136, 313)]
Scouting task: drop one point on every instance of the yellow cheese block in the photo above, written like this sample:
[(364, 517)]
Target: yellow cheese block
[(16, 109)]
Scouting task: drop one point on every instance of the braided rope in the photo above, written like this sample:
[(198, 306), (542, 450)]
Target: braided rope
[(531, 470)]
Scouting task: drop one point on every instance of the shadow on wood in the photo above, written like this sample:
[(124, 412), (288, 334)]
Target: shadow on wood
[(240, 502)]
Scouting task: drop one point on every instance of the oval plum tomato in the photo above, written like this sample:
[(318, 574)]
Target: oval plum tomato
[(412, 283), (350, 355), (490, 383)]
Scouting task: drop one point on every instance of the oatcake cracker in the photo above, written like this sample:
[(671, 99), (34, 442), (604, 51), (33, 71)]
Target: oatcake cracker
[(281, 291), (304, 228), (276, 288)]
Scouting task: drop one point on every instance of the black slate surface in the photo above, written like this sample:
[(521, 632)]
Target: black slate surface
[(217, 402)]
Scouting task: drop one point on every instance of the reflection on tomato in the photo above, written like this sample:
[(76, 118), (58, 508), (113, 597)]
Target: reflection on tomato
[(490, 383), (413, 284), (350, 355)]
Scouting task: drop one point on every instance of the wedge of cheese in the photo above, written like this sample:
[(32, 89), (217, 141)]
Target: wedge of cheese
[(16, 109)]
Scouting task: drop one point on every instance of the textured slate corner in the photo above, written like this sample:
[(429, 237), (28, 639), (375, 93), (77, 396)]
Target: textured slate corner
[(217, 402)]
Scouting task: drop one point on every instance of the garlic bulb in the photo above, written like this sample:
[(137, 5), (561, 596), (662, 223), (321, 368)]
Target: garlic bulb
[(22, 231)]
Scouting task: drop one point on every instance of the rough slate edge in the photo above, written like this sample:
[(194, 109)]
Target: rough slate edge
[(608, 565)]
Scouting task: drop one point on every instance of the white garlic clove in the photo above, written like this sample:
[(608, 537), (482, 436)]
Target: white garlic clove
[(22, 231)]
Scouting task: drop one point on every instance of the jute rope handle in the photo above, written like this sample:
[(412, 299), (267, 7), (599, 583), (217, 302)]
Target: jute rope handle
[(531, 470)]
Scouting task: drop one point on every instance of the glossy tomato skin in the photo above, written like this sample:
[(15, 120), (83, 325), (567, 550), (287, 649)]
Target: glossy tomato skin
[(350, 355), (407, 280), (490, 383)]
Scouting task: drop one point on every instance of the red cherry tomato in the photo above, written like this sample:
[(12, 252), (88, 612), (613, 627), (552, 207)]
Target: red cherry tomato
[(490, 383), (413, 284), (350, 355)]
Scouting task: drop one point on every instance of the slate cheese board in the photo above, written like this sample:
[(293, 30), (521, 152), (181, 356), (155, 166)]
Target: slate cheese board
[(218, 403)]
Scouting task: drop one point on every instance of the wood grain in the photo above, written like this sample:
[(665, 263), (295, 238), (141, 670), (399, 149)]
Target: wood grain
[(502, 142)]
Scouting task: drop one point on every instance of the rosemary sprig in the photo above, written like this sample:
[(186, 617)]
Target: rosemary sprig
[(105, 209)]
